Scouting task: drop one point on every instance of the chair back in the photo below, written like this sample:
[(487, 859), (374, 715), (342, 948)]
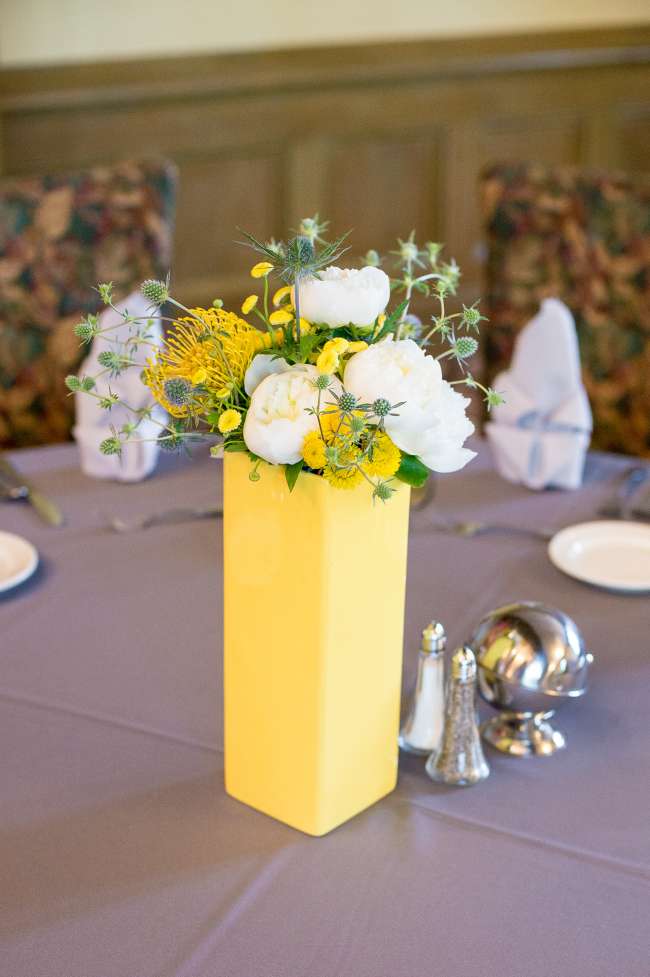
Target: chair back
[(59, 236), (583, 237)]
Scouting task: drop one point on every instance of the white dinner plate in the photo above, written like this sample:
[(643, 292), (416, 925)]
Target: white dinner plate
[(611, 554), (18, 560)]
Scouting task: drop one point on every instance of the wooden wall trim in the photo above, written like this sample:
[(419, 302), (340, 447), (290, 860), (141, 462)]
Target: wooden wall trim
[(380, 137), (284, 71)]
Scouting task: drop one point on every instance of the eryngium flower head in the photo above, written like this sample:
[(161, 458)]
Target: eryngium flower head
[(381, 407), (464, 347), (178, 391), (110, 446), (347, 401), (154, 291)]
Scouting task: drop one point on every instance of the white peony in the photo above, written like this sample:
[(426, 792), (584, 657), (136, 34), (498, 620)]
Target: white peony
[(278, 418), (261, 367), (345, 295), (432, 423)]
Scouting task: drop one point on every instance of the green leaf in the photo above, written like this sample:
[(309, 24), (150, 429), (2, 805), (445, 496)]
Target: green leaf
[(291, 473), (412, 471), (391, 321), (234, 446)]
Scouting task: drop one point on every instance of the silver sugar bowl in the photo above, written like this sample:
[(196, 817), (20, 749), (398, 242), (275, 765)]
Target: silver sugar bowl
[(531, 658)]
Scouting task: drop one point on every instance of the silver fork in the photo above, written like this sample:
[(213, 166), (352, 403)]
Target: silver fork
[(470, 529), (166, 517), (617, 505)]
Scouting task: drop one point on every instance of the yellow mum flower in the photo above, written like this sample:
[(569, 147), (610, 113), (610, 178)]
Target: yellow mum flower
[(313, 450), (281, 294), (281, 317), (357, 347), (249, 304), (339, 345), (344, 478), (229, 421), (333, 424), (210, 347), (384, 458), (261, 269), (328, 361)]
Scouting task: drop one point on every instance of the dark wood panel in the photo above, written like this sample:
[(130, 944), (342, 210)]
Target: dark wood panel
[(382, 138)]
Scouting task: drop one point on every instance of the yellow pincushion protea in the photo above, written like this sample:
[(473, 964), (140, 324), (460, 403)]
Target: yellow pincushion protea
[(384, 457), (210, 347)]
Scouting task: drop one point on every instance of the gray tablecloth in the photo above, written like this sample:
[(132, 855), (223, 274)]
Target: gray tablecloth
[(123, 857)]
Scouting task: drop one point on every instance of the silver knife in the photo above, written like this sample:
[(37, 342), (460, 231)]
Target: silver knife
[(20, 487)]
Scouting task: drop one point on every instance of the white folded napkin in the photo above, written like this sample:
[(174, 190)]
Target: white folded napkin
[(540, 436), (93, 423)]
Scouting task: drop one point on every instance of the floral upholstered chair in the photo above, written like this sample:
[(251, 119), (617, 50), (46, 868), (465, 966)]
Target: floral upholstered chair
[(59, 237), (583, 237)]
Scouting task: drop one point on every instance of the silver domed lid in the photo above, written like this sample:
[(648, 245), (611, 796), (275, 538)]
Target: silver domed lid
[(533, 646)]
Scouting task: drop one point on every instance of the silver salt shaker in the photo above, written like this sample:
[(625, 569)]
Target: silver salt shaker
[(422, 728), (459, 760)]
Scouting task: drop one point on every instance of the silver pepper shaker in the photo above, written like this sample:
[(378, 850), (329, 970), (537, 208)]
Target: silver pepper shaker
[(459, 760), (422, 727)]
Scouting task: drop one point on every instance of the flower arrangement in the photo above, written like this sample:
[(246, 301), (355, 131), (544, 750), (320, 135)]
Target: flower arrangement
[(315, 375)]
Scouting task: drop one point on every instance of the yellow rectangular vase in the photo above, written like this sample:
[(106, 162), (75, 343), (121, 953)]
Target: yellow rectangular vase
[(314, 614)]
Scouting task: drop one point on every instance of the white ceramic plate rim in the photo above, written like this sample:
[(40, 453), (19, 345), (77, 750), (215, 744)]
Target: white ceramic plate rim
[(30, 559), (560, 546)]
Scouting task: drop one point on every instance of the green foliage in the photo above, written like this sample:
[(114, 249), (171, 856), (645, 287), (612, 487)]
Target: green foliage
[(291, 473), (392, 321), (412, 471)]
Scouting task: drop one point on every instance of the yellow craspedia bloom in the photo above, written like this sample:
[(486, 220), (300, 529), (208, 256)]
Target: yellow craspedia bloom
[(229, 421), (261, 269), (313, 450), (210, 347), (249, 304), (328, 361), (339, 345), (357, 346), (281, 317), (281, 294), (384, 457)]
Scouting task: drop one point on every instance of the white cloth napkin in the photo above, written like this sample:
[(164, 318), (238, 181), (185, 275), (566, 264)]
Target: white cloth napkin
[(540, 436), (93, 423)]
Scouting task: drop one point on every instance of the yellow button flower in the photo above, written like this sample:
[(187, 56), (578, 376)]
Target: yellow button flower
[(261, 269), (384, 458), (328, 361), (339, 345), (313, 450), (357, 347), (229, 421), (281, 294), (280, 317), (249, 304)]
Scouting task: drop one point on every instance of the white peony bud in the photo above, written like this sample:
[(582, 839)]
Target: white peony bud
[(432, 423), (345, 295), (278, 417), (262, 366)]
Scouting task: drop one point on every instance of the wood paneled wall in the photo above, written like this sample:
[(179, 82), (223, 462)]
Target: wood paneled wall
[(380, 138)]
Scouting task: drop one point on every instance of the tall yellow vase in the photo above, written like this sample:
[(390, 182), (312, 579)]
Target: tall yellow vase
[(314, 613)]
